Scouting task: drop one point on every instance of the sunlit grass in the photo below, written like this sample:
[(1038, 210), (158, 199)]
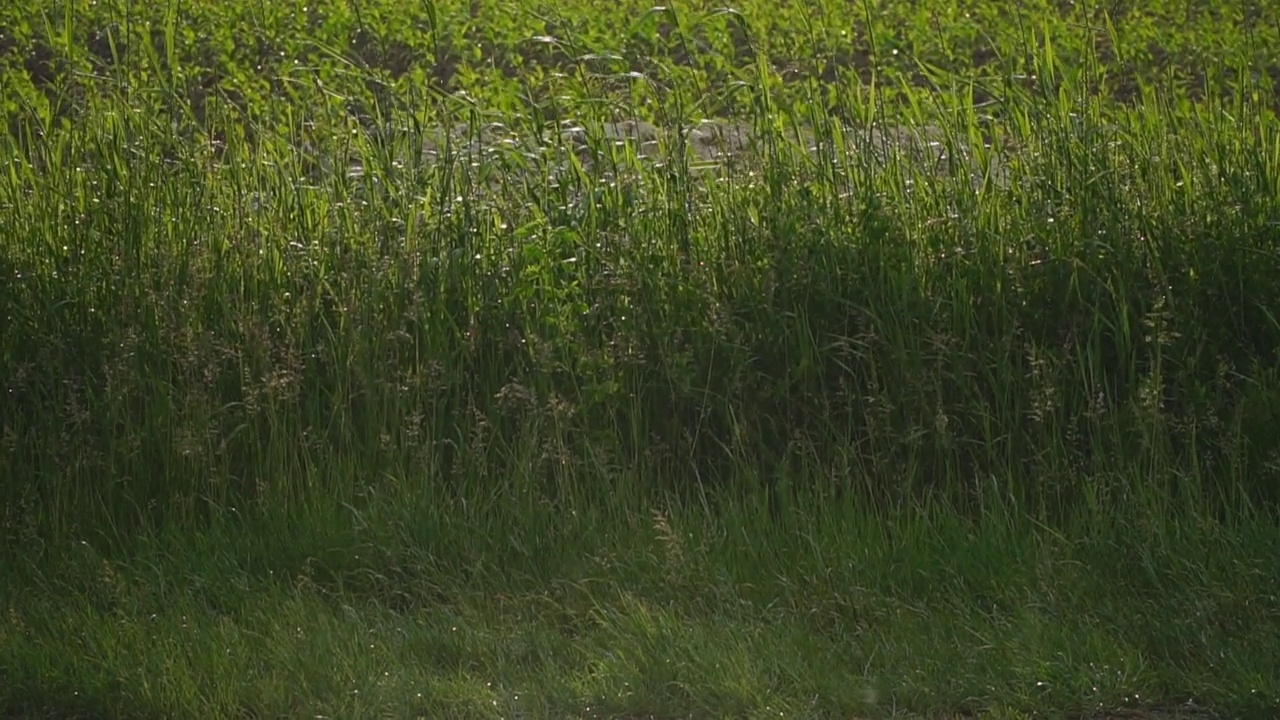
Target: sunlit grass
[(834, 428)]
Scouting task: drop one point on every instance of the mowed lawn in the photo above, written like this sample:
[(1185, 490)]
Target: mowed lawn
[(494, 359)]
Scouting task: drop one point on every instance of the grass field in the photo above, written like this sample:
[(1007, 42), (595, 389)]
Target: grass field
[(956, 394)]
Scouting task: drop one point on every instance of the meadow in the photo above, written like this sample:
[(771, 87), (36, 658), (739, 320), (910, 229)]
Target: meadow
[(354, 363)]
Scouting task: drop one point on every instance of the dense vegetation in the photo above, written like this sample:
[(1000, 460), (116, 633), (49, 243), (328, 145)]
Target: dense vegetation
[(298, 419)]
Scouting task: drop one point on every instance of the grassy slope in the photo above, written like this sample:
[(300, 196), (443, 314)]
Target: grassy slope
[(838, 441), (435, 611)]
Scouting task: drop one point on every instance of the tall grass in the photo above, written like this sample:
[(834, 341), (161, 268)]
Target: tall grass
[(1062, 347), (203, 321)]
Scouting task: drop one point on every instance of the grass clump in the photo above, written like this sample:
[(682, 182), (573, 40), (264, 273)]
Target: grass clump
[(948, 395)]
